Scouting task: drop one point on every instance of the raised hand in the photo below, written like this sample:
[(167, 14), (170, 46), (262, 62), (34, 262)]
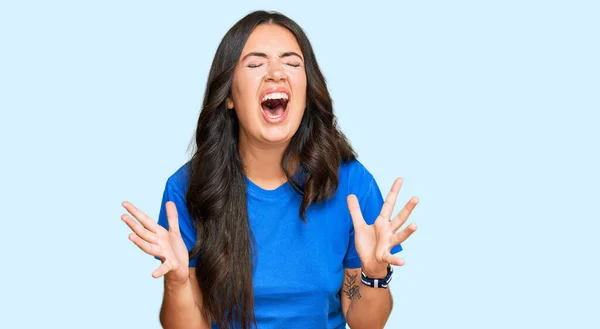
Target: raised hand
[(155, 240), (374, 242)]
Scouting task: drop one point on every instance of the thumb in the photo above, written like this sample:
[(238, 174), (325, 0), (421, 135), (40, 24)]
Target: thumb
[(357, 218), (172, 217)]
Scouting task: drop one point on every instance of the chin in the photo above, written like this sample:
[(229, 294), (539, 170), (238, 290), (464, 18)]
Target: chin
[(277, 136)]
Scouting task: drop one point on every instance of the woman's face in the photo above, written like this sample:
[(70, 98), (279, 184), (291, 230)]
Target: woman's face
[(269, 87)]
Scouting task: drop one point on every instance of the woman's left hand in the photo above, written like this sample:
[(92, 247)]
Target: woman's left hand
[(374, 242)]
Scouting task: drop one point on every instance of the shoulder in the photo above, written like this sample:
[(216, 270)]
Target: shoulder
[(178, 181), (354, 169), (355, 178)]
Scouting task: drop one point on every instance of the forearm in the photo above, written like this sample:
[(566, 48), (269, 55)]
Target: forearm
[(370, 308), (179, 310)]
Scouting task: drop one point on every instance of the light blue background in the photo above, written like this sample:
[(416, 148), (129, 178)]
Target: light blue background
[(487, 109)]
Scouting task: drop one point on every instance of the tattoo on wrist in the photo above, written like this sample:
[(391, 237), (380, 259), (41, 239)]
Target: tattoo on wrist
[(351, 286)]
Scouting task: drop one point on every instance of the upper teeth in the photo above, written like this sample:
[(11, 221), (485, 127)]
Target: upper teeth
[(275, 96)]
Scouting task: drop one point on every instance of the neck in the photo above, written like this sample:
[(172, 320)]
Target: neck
[(262, 163)]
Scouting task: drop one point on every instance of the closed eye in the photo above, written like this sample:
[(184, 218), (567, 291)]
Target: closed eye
[(251, 65), (293, 64)]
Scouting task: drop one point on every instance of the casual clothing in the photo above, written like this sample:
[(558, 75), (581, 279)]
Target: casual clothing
[(299, 267)]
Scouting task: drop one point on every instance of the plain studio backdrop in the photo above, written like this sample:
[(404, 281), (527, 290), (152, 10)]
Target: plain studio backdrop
[(487, 109)]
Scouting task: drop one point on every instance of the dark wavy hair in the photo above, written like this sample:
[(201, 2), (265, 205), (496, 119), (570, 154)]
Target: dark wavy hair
[(216, 196)]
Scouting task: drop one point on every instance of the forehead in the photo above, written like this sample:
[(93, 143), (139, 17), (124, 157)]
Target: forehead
[(271, 38)]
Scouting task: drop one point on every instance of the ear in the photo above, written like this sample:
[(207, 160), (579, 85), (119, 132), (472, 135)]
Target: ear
[(229, 103)]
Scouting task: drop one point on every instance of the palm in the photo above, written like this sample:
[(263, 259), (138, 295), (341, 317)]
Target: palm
[(178, 246), (174, 249), (374, 242), (155, 240)]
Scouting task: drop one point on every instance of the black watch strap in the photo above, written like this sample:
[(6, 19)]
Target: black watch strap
[(377, 283)]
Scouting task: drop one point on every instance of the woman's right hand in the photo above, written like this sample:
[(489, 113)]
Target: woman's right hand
[(155, 240)]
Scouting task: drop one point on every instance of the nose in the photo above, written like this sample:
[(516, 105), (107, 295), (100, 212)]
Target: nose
[(275, 72)]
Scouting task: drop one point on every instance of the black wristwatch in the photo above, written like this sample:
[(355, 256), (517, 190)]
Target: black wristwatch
[(377, 283)]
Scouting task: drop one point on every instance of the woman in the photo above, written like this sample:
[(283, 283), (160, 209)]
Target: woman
[(272, 205)]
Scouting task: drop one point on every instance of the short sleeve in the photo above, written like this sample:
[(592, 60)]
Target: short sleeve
[(370, 203), (173, 192)]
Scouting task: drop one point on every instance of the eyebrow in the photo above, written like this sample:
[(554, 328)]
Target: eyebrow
[(263, 55)]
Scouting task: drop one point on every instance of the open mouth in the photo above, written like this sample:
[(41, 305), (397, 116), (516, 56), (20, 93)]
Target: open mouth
[(274, 106)]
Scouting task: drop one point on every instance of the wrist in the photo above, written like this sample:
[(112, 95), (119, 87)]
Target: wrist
[(174, 285), (377, 281), (376, 271)]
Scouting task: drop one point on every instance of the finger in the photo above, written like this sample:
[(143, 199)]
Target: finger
[(404, 234), (390, 200), (150, 249), (141, 217), (139, 229), (163, 269), (172, 217), (391, 259), (402, 216), (357, 218)]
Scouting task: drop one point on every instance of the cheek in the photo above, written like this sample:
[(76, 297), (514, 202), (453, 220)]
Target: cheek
[(298, 83), (301, 90), (244, 88)]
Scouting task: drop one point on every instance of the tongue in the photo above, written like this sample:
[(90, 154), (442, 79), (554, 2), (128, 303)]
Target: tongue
[(274, 112)]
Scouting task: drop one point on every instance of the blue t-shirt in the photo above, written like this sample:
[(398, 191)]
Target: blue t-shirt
[(299, 267)]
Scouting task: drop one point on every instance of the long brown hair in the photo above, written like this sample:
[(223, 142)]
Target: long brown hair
[(216, 197)]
